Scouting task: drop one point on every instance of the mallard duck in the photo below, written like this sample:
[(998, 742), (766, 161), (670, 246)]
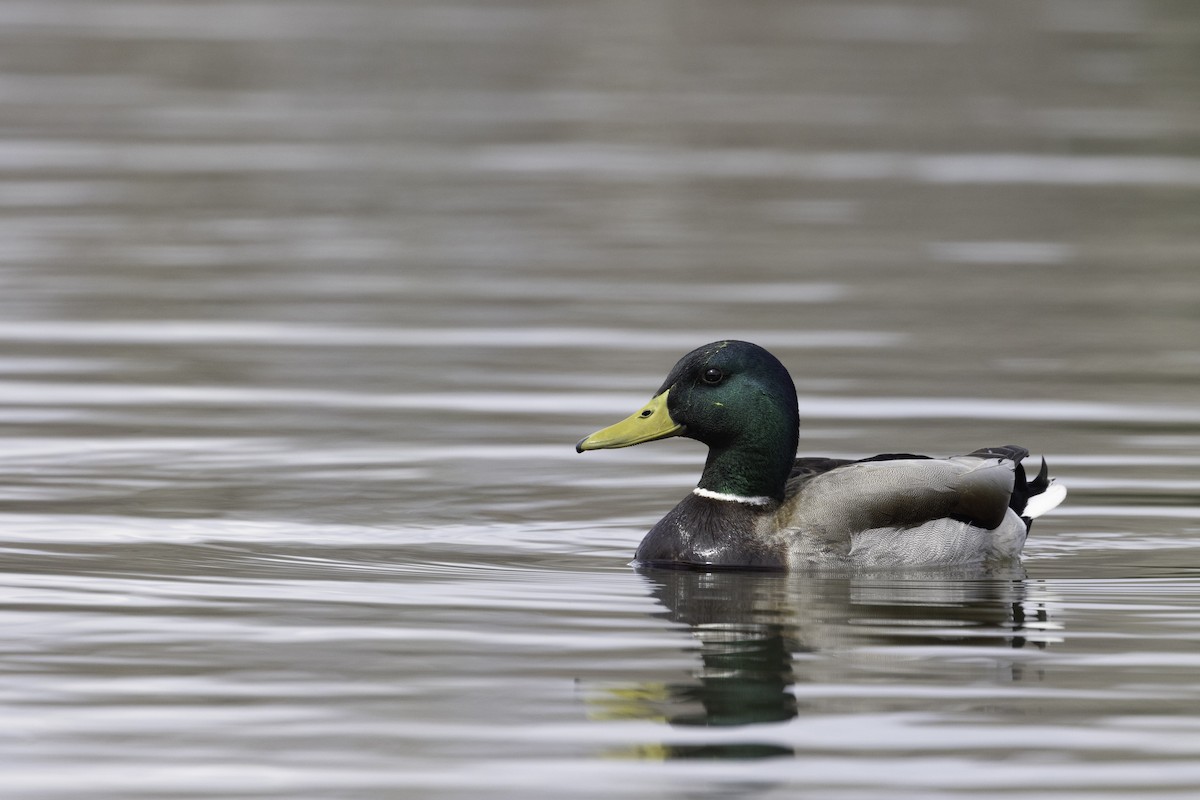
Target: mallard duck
[(759, 507)]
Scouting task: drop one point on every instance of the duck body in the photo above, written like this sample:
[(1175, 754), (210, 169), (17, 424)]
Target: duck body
[(887, 511), (759, 507)]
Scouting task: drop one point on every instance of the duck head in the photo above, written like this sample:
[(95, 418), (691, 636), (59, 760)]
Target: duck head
[(734, 397)]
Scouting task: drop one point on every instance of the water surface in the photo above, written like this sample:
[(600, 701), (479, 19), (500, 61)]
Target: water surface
[(304, 305)]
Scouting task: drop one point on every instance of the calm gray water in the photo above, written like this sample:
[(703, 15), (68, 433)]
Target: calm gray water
[(303, 306)]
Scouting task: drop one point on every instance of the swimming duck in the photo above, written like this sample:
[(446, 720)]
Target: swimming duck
[(757, 506)]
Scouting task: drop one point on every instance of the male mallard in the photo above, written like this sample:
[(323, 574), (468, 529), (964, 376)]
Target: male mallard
[(758, 506)]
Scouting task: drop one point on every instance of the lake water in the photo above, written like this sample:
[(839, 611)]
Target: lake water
[(305, 304)]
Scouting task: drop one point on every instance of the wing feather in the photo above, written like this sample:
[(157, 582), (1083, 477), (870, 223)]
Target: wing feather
[(907, 492)]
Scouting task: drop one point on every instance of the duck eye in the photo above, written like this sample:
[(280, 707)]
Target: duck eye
[(713, 376)]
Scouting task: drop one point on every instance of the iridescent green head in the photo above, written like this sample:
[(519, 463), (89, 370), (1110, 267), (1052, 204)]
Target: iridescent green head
[(734, 397)]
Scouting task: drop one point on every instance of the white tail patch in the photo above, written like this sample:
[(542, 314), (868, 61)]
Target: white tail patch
[(1046, 501)]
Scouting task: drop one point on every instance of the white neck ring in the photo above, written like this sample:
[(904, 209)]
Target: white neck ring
[(731, 498)]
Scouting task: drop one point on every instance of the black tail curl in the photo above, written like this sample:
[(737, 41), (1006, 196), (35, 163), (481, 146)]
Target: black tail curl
[(1024, 489)]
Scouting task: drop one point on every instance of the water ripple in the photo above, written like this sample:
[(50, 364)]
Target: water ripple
[(162, 332)]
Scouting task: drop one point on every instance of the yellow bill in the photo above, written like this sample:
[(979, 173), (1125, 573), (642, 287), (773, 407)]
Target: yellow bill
[(651, 422)]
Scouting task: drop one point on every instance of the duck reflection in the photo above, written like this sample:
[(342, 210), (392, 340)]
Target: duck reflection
[(761, 636)]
